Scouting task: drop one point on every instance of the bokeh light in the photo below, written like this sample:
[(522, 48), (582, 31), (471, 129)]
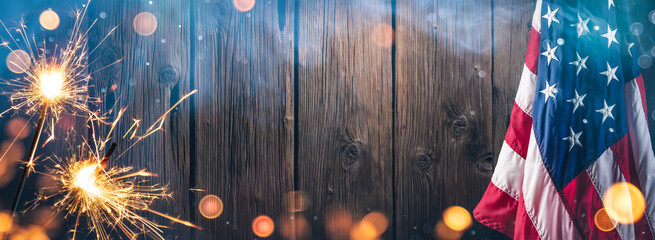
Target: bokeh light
[(18, 61), (210, 206), (29, 233), (372, 226), (457, 218), (263, 226), (603, 221), (294, 226), (145, 24), (443, 232), (637, 28), (4, 222), (297, 201), (49, 19), (624, 203), (383, 35), (66, 122), (13, 153), (243, 5), (338, 222), (17, 128)]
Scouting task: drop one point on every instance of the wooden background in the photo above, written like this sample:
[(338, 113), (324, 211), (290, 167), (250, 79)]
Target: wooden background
[(301, 95)]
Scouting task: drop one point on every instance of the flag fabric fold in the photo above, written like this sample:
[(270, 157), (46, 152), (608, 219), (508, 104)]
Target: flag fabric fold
[(578, 126)]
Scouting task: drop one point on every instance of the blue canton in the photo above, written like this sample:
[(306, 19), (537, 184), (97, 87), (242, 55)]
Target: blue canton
[(579, 107)]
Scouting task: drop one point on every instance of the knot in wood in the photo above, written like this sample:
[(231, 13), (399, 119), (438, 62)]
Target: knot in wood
[(485, 165), (424, 162), (350, 153), (168, 76), (459, 126)]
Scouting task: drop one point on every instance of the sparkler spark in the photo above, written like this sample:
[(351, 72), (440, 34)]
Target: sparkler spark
[(59, 81), (109, 197)]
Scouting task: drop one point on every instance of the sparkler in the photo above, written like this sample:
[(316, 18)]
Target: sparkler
[(110, 198), (51, 85)]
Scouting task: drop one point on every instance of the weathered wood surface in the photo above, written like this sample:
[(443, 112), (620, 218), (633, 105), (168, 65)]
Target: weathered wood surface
[(243, 114), (444, 148), (344, 106), (312, 96), (153, 73)]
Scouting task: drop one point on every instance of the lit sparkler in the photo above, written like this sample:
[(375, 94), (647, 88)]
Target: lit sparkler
[(109, 197), (51, 84)]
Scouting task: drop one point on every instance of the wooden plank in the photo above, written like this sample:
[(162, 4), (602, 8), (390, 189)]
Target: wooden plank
[(345, 108), (443, 116), (243, 111), (153, 74), (512, 25)]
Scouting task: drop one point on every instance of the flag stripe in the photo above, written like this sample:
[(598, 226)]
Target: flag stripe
[(624, 160), (525, 229), (582, 202), (518, 135), (542, 201), (503, 217), (532, 55), (641, 145)]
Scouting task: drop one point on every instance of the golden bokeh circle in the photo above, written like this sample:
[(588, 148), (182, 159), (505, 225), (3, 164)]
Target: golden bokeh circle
[(49, 20), (624, 203), (457, 218), (18, 61), (263, 226), (210, 206), (145, 23), (603, 221), (243, 5)]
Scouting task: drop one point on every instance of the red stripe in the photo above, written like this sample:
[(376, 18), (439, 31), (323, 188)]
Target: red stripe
[(497, 210), (525, 229), (532, 56), (518, 132), (582, 202), (642, 92), (625, 158)]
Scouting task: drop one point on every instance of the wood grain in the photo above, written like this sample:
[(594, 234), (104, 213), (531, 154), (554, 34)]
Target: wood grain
[(243, 113), (144, 85), (444, 150), (345, 108), (512, 24)]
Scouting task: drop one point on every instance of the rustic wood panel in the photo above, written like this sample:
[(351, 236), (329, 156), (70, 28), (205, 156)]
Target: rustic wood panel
[(444, 149), (243, 112), (345, 107), (511, 26), (153, 74)]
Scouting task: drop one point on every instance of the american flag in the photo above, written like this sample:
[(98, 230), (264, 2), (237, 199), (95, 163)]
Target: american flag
[(578, 126)]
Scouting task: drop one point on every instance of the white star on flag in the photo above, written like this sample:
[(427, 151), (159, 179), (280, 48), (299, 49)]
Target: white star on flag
[(581, 26), (550, 16), (577, 100), (610, 35), (580, 63), (550, 53), (630, 45), (610, 3), (549, 91), (573, 139), (606, 111), (610, 73)]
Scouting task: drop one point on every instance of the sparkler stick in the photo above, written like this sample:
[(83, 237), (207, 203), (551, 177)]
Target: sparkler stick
[(28, 165)]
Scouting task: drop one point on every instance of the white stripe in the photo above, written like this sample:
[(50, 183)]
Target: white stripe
[(536, 17), (641, 147), (508, 174), (542, 201), (604, 173), (525, 93)]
